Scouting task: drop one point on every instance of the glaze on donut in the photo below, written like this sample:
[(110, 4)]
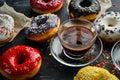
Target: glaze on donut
[(46, 6), (43, 27), (94, 73), (6, 28), (108, 25), (20, 62), (87, 9)]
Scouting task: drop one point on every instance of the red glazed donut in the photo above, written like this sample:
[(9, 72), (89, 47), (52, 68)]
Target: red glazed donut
[(46, 6), (20, 62)]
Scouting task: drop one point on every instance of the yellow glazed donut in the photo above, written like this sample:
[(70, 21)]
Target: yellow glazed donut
[(6, 28), (94, 73), (108, 25)]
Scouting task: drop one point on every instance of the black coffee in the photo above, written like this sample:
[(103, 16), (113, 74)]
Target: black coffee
[(75, 38)]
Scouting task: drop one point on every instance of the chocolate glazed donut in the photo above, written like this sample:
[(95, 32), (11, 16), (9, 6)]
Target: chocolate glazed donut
[(78, 8), (43, 27)]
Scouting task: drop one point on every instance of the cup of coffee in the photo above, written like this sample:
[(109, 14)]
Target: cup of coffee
[(76, 36)]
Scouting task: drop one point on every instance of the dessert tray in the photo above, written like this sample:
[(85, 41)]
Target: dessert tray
[(53, 66)]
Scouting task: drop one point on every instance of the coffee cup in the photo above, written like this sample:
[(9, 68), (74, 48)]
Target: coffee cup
[(76, 36)]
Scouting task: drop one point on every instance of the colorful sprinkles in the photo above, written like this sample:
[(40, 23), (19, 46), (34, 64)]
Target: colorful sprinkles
[(6, 26), (105, 61)]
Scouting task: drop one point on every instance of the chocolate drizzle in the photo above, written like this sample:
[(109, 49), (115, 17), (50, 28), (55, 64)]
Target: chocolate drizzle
[(42, 23)]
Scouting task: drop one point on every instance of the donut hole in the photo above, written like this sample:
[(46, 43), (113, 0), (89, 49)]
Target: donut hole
[(111, 22), (21, 58), (85, 3), (46, 1), (42, 22)]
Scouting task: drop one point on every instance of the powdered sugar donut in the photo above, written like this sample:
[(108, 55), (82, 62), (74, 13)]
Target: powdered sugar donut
[(6, 28), (108, 25)]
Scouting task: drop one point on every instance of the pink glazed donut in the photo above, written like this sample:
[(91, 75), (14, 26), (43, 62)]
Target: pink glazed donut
[(46, 6)]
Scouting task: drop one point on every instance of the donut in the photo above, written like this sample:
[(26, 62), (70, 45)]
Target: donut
[(43, 27), (46, 6), (108, 26), (87, 9), (6, 28), (20, 62), (94, 73)]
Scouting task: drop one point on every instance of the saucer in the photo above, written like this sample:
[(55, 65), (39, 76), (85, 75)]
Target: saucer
[(115, 54), (89, 57)]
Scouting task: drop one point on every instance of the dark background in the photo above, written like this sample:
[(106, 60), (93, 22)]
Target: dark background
[(50, 69)]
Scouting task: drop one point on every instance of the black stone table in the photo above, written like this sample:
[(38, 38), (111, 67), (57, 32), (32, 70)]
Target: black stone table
[(52, 69)]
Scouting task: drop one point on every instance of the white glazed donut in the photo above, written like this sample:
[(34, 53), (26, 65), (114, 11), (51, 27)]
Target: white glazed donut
[(108, 25), (6, 28)]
